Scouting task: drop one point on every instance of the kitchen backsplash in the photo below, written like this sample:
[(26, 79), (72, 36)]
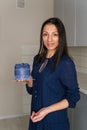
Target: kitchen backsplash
[(79, 55)]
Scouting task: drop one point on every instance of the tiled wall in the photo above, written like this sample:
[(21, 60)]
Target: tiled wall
[(79, 55)]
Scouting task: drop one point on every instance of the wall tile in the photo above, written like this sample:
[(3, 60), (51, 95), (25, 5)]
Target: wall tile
[(79, 55)]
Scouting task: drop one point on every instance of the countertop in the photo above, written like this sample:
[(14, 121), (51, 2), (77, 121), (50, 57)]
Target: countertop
[(82, 80)]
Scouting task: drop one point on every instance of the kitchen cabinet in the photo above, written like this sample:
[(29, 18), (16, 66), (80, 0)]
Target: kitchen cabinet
[(73, 13), (81, 22), (65, 10), (70, 115), (78, 116), (69, 21), (59, 9)]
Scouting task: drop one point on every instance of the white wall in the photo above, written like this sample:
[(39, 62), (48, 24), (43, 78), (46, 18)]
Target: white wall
[(28, 52), (19, 27)]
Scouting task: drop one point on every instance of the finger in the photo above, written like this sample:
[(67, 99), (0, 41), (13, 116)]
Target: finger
[(33, 114), (36, 119), (20, 80)]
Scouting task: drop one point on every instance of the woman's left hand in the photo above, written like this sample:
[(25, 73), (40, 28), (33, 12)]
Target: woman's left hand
[(38, 116)]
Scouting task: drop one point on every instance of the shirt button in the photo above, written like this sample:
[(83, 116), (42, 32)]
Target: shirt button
[(35, 96), (35, 91)]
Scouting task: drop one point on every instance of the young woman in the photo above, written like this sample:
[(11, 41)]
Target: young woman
[(55, 86)]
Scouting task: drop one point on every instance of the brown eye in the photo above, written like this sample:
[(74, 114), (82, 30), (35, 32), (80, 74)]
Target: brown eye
[(44, 34), (55, 34)]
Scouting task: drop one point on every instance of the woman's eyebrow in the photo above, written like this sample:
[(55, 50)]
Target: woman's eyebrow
[(53, 32)]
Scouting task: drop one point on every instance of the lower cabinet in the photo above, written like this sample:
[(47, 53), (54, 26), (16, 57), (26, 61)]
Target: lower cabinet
[(78, 116)]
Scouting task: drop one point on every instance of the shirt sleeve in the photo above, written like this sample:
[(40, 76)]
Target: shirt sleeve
[(30, 89), (70, 83)]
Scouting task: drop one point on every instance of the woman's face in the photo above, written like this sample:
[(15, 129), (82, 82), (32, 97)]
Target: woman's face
[(50, 37)]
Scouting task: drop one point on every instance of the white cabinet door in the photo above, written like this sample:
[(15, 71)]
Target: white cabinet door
[(69, 21), (59, 9), (80, 114), (65, 10), (81, 22)]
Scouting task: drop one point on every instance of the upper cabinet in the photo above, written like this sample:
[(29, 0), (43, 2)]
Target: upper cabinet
[(59, 9), (69, 21), (73, 13), (81, 22)]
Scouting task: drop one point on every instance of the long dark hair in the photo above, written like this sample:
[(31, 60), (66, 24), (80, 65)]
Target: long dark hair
[(62, 46)]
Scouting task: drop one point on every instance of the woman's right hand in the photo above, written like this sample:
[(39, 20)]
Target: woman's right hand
[(28, 82)]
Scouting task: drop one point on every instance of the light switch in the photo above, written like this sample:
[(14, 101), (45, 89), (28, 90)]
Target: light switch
[(20, 3)]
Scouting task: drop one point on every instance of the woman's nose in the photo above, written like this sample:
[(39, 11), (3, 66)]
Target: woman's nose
[(49, 38)]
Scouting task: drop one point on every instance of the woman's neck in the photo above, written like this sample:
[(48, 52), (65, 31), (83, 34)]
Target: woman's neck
[(50, 54)]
